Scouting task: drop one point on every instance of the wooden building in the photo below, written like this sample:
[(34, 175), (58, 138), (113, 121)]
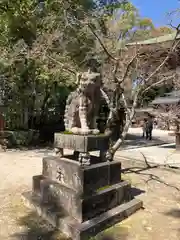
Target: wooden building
[(168, 108), (153, 51)]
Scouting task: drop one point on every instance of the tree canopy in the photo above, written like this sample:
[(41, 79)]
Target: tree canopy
[(43, 43)]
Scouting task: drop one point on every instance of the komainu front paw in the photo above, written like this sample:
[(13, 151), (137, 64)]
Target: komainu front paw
[(81, 131), (95, 131), (75, 130)]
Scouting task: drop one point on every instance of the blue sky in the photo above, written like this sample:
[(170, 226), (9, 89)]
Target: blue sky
[(157, 10)]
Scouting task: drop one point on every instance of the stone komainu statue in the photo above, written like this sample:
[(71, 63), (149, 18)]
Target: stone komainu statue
[(82, 106)]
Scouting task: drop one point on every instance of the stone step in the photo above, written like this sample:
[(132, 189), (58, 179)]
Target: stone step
[(81, 231), (84, 207), (81, 179), (36, 183)]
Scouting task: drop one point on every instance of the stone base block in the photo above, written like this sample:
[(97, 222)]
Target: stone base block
[(81, 231), (84, 207), (81, 179)]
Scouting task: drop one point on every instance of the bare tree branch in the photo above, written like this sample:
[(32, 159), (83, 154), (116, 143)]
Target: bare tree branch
[(101, 43), (62, 65), (115, 71), (157, 83), (163, 63), (116, 146), (128, 111), (173, 48), (128, 67), (172, 26), (105, 97)]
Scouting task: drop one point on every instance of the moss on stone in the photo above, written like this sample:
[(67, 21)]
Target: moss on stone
[(67, 132), (71, 133), (103, 188)]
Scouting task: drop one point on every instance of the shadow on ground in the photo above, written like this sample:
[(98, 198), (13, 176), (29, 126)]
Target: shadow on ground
[(174, 213), (38, 229), (134, 141), (169, 146), (136, 191)]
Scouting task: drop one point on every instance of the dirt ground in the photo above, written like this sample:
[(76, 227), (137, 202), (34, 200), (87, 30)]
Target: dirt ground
[(159, 189)]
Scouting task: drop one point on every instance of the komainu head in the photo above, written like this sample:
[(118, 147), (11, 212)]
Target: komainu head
[(89, 81)]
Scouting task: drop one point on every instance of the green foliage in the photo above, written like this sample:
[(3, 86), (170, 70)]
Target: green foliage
[(18, 20), (32, 43)]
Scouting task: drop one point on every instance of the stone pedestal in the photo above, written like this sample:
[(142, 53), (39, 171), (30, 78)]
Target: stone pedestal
[(81, 200), (82, 145)]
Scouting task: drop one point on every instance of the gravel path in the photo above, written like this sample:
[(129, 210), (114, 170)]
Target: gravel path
[(16, 171)]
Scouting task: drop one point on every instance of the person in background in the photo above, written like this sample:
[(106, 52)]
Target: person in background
[(155, 123), (149, 128), (145, 128)]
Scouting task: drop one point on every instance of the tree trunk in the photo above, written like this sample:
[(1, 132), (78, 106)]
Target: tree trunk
[(124, 133), (31, 113), (129, 117), (43, 107)]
